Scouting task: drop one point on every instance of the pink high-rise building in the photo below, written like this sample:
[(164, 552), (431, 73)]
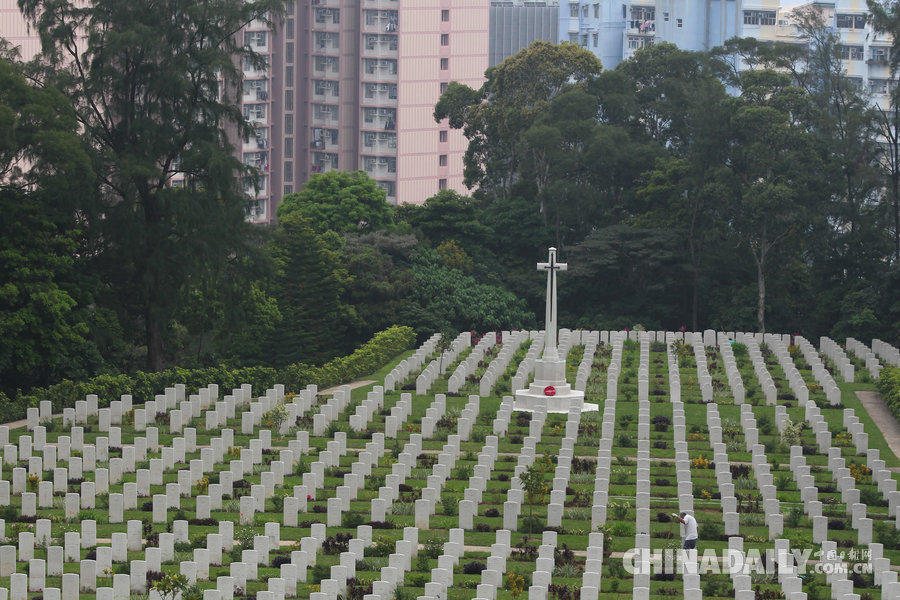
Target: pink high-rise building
[(15, 31), (350, 85), (373, 73)]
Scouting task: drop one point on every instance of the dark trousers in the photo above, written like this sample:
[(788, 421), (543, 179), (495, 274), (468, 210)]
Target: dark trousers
[(690, 544)]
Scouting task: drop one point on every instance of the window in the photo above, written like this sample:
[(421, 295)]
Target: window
[(596, 39), (584, 12), (442, 184), (288, 170), (442, 160), (636, 42), (573, 11), (759, 17), (445, 15), (445, 64), (443, 86), (250, 66), (289, 29), (596, 11), (442, 135), (328, 16), (289, 73), (445, 39), (879, 53), (289, 124), (643, 18), (851, 52), (289, 147), (843, 21), (678, 23), (666, 17), (878, 86), (289, 99), (256, 89), (255, 39), (289, 52), (288, 189), (255, 112)]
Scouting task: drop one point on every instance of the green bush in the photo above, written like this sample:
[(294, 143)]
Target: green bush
[(143, 386), (889, 386)]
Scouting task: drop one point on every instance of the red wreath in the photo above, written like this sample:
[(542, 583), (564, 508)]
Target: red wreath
[(549, 391)]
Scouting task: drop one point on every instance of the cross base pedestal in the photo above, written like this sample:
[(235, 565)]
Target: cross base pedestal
[(551, 373)]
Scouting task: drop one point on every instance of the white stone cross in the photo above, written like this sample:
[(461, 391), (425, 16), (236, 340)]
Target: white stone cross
[(551, 266)]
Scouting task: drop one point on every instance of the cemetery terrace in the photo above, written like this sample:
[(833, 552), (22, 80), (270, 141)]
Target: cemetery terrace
[(429, 485)]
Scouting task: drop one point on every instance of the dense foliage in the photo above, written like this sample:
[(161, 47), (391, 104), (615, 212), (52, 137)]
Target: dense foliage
[(889, 386), (682, 192), (144, 386)]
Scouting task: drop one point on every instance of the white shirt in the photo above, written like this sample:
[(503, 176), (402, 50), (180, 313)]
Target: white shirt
[(690, 527)]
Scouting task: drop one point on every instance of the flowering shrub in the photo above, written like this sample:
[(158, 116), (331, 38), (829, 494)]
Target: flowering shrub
[(860, 472), (701, 462)]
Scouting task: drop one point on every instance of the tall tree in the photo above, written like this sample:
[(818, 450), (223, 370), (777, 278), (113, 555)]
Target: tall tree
[(516, 91), (145, 80), (307, 285), (340, 201), (44, 315), (773, 162), (886, 19)]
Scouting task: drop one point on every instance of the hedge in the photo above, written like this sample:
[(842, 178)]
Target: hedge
[(889, 386), (143, 386)]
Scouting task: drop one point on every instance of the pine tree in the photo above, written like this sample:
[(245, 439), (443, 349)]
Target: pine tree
[(308, 289)]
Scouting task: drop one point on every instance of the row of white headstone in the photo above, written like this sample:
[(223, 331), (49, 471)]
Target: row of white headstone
[(511, 343), (439, 365), (413, 363), (469, 364)]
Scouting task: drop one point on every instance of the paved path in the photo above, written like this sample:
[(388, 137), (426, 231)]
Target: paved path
[(883, 418), (352, 386)]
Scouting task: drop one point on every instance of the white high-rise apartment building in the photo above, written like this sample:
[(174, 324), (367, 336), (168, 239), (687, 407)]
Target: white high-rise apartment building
[(615, 29)]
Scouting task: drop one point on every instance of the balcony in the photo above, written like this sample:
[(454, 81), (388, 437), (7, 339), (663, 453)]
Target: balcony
[(379, 93), (380, 44), (390, 188), (379, 119), (388, 4), (325, 90), (326, 66), (256, 210), (326, 19), (257, 160), (255, 93), (380, 167), (378, 21), (326, 42), (381, 69), (379, 142), (324, 139), (642, 26), (256, 113), (322, 162), (324, 115), (260, 189)]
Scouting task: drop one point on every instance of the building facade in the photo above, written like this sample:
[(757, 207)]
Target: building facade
[(615, 29), (350, 85), (515, 24), (371, 72)]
